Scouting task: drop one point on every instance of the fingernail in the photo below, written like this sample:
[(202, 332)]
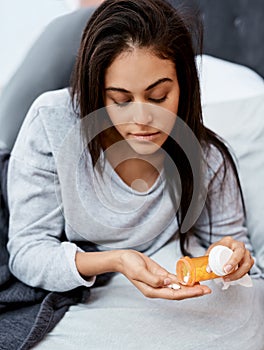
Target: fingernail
[(228, 268), (167, 281), (207, 292)]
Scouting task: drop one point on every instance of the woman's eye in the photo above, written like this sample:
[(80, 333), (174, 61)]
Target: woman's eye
[(125, 103), (158, 100), (122, 104)]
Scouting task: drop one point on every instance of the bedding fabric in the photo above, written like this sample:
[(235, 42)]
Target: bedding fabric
[(118, 316)]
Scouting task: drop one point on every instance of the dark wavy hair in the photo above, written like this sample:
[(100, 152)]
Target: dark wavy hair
[(114, 27)]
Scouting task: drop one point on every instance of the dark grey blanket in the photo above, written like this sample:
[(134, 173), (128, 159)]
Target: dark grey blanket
[(26, 313)]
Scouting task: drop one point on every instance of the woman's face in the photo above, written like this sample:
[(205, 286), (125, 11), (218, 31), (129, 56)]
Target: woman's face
[(137, 84)]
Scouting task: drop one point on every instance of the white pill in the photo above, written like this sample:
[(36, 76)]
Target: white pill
[(186, 278), (174, 286)]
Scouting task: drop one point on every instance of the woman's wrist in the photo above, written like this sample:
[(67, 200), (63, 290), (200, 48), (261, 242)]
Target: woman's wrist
[(95, 263)]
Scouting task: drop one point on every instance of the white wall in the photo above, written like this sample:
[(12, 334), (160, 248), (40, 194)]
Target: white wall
[(21, 21)]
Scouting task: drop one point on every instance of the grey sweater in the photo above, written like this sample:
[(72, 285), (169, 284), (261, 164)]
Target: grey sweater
[(56, 198)]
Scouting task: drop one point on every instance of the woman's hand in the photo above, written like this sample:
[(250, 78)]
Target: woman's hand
[(153, 280), (240, 262)]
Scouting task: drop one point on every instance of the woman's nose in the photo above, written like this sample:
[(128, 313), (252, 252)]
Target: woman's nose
[(142, 113)]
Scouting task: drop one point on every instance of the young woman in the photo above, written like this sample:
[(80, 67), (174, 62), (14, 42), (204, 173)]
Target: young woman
[(122, 160)]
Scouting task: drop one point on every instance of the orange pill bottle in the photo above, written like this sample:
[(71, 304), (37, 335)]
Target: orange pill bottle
[(192, 270)]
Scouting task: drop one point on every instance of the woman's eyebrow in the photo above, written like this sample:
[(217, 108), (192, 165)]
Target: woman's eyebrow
[(160, 81), (111, 88)]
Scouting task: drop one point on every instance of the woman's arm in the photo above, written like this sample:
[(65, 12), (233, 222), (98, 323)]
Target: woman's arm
[(39, 254), (150, 278)]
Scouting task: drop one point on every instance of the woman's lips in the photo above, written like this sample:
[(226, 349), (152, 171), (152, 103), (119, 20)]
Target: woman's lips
[(145, 136)]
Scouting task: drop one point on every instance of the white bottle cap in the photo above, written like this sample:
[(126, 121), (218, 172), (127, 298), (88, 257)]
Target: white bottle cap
[(218, 257)]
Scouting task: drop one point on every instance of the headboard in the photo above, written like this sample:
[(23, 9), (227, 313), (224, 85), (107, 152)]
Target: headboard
[(233, 30)]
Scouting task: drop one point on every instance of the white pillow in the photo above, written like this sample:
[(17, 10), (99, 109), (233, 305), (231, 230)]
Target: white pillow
[(225, 81), (233, 107)]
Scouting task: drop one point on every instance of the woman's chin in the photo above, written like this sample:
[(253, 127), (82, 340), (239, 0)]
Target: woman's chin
[(143, 147)]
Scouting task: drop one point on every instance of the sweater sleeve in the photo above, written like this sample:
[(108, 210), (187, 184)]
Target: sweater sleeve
[(38, 255), (224, 207)]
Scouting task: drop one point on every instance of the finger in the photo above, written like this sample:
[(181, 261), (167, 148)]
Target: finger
[(227, 241), (239, 252), (173, 294), (173, 278), (153, 280), (156, 269), (238, 249), (244, 267)]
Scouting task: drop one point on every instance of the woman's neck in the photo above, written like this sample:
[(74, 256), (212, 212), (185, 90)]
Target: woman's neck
[(140, 172)]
